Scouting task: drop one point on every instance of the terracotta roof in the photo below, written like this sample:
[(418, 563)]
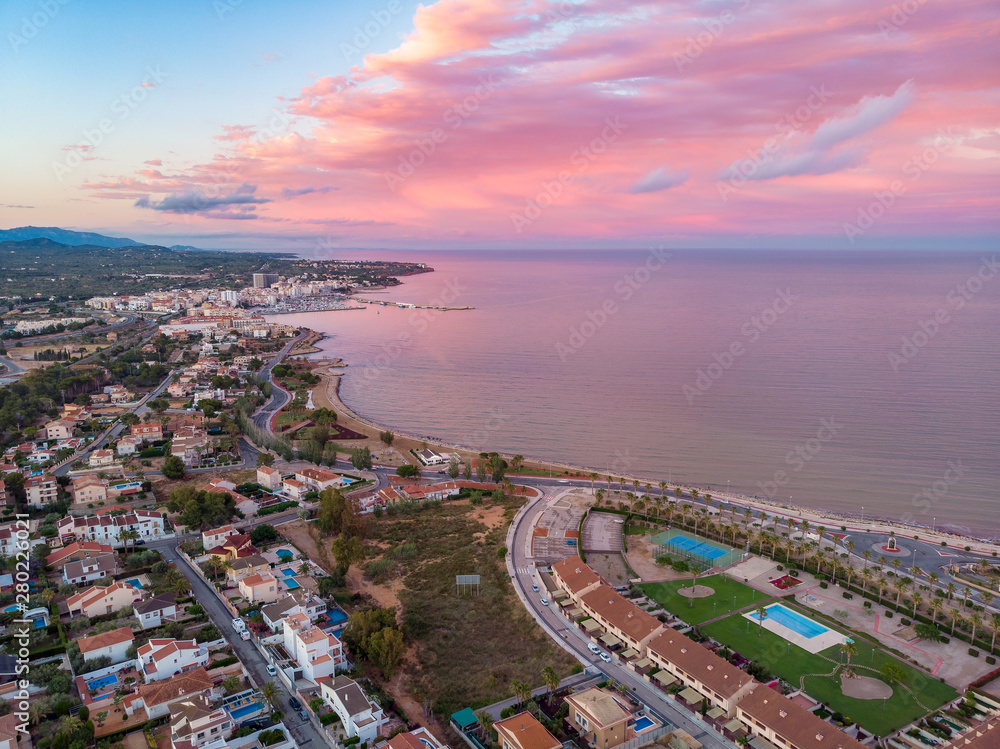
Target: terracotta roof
[(58, 555), (525, 731), (258, 579), (95, 593), (190, 682), (317, 474), (614, 608), (576, 575), (799, 727), (984, 736), (9, 728), (114, 637)]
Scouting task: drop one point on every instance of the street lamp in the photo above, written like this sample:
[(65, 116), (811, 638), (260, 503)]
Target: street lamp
[(862, 513), (933, 523)]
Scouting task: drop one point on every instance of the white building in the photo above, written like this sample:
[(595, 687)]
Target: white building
[(317, 653), (108, 529), (156, 610), (162, 658), (113, 644), (359, 716)]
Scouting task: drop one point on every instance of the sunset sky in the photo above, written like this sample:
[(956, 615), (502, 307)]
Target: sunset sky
[(491, 124)]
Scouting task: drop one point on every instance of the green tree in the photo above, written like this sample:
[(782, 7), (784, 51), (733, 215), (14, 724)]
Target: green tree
[(385, 650), (761, 616), (173, 467), (387, 437), (453, 468), (893, 672), (551, 678), (347, 552), (264, 459), (361, 458)]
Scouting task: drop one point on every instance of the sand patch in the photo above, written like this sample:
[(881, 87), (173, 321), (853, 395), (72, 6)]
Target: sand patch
[(698, 591), (865, 688)]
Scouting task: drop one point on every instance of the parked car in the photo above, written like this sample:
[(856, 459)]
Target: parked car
[(245, 635), (534, 588), (303, 714), (594, 649), (296, 705), (545, 602), (605, 657), (271, 671)]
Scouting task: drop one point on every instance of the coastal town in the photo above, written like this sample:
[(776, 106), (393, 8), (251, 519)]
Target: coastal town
[(204, 547)]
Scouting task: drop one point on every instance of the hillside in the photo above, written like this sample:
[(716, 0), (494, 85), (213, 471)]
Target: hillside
[(65, 236)]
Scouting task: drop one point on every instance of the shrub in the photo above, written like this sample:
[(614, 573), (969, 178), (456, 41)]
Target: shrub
[(990, 660), (973, 652), (888, 615), (824, 585), (905, 622), (868, 604), (780, 568), (848, 595), (328, 719), (506, 713), (276, 508)]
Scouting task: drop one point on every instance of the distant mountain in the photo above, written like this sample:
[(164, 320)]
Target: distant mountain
[(67, 237), (185, 248)]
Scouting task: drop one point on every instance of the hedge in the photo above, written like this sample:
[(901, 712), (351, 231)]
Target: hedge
[(328, 719), (222, 662), (276, 508)]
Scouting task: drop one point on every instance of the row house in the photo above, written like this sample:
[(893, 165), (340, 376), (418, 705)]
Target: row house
[(784, 723), (108, 529)]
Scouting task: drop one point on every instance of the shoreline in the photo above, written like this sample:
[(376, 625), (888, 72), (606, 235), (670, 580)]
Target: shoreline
[(833, 521)]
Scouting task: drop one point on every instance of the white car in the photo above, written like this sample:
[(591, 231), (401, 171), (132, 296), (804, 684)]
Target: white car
[(534, 588), (594, 649), (271, 671), (605, 657), (245, 635), (545, 602)]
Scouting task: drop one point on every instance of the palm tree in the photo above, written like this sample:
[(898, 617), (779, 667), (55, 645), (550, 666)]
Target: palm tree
[(761, 616), (866, 576), (976, 620), (914, 576), (848, 649), (966, 592), (486, 723), (900, 585), (917, 602), (995, 629), (593, 478), (231, 684), (933, 578), (551, 678), (882, 585), (956, 617), (269, 692), (936, 607), (950, 588), (867, 554), (304, 568), (215, 564), (663, 489)]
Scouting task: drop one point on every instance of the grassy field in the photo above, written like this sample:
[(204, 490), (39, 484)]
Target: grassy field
[(791, 662), (469, 647), (698, 610)]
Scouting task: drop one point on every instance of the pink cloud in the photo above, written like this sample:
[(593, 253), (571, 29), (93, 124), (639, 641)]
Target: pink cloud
[(488, 108)]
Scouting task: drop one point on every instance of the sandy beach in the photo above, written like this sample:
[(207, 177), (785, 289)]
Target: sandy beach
[(327, 394)]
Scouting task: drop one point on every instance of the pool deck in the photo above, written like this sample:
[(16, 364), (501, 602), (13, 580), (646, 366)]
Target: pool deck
[(811, 644)]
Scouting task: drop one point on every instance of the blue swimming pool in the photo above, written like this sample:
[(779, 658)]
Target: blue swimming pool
[(643, 723), (799, 624), (291, 584), (288, 572), (284, 553), (336, 615), (704, 550), (134, 582), (12, 608), (104, 681), (245, 710)]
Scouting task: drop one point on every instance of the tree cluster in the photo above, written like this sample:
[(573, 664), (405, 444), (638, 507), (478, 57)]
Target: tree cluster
[(198, 508), (374, 635)]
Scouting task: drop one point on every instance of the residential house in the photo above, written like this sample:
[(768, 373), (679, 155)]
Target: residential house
[(188, 444), (128, 445), (100, 458), (418, 738), (783, 722), (86, 570), (269, 478), (41, 490), (195, 723), (246, 566), (161, 658), (215, 537), (317, 478), (11, 736), (74, 412), (599, 718), (113, 644), (6, 497), (623, 620), (575, 577), (259, 588), (699, 669), (76, 551), (358, 715), (317, 653), (60, 429), (156, 610), (431, 457), (423, 492), (299, 601), (89, 489), (108, 529), (158, 696), (10, 544), (236, 546), (523, 731), (99, 600), (180, 389), (295, 489), (150, 431)]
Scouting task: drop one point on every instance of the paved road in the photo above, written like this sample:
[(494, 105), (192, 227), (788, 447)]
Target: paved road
[(279, 397), (573, 639), (304, 731)]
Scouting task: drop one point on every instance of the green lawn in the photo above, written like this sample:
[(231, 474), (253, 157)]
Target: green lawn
[(790, 662), (698, 610)]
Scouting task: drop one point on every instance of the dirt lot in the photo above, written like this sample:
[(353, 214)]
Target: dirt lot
[(611, 567), (306, 538)]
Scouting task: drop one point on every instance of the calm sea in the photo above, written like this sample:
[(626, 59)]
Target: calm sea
[(854, 383)]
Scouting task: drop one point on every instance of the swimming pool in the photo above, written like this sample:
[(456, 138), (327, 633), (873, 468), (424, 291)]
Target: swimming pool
[(336, 615), (12, 608), (104, 681), (288, 572), (696, 547), (284, 553), (799, 624), (245, 710), (291, 583), (134, 582), (643, 723)]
